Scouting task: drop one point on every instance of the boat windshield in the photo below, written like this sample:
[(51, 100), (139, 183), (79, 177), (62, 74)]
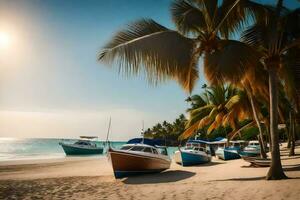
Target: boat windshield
[(154, 151), (83, 143), (125, 147), (137, 148), (147, 150), (199, 149), (163, 151)]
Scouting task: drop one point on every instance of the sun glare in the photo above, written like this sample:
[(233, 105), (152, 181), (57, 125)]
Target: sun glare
[(5, 40)]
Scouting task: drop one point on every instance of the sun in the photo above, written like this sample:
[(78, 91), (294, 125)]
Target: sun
[(5, 40)]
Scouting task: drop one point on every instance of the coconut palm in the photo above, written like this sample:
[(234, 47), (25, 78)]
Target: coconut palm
[(162, 54), (226, 107), (274, 40), (256, 87), (204, 27)]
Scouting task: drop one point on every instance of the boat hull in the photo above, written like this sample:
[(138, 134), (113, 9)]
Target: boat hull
[(186, 158), (261, 162), (227, 154), (249, 153), (258, 162), (73, 150), (128, 163)]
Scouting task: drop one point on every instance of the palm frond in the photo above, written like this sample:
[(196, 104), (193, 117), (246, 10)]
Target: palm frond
[(198, 114), (212, 127), (204, 122), (232, 101), (235, 132), (189, 131), (230, 62), (290, 73), (146, 46), (209, 9), (187, 17)]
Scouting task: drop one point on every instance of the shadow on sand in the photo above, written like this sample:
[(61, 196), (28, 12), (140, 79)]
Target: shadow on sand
[(251, 179), (244, 179), (292, 157), (163, 177), (288, 168)]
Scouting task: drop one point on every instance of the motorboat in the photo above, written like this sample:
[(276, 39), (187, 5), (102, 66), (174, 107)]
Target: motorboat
[(139, 156), (230, 152), (195, 152), (83, 146), (252, 150)]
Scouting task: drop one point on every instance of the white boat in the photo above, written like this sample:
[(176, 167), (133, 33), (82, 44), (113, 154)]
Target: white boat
[(253, 146), (195, 152), (252, 150)]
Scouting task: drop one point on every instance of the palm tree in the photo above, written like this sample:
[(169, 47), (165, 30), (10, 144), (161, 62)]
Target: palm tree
[(227, 106), (204, 28), (274, 41), (256, 87), (162, 54)]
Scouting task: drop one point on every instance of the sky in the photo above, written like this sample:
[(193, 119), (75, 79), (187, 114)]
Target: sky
[(51, 84)]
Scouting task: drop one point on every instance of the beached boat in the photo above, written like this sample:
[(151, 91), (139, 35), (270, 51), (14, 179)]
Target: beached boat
[(252, 150), (259, 162), (231, 152), (195, 152), (217, 143), (139, 156), (83, 146)]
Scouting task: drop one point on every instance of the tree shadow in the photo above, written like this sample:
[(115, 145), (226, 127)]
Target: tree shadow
[(288, 168), (163, 177), (244, 179), (291, 157), (253, 179)]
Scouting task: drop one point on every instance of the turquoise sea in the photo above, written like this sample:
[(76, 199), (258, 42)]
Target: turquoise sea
[(43, 148)]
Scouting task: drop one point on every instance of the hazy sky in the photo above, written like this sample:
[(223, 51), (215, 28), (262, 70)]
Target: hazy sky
[(51, 84)]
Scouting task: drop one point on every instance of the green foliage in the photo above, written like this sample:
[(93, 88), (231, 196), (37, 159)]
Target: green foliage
[(167, 131), (250, 133)]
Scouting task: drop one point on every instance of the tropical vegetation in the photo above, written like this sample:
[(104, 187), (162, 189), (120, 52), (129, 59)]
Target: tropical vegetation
[(258, 71), (168, 132)]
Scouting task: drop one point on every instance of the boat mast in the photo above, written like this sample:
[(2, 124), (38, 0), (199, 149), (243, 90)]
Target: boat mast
[(143, 132), (108, 130)]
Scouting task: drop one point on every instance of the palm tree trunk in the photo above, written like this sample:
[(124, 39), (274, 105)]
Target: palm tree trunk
[(288, 133), (269, 138), (260, 138), (275, 172), (292, 135)]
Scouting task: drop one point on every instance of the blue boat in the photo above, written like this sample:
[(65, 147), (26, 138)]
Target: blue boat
[(195, 152), (228, 153), (231, 152), (82, 147)]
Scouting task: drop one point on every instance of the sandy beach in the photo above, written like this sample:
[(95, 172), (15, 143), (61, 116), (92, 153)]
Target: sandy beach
[(91, 178)]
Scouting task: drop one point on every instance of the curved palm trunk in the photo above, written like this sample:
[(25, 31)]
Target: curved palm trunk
[(275, 172), (260, 138)]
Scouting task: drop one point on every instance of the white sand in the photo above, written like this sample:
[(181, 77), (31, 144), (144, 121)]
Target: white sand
[(91, 178)]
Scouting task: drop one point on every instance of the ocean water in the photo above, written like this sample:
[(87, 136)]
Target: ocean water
[(44, 148)]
